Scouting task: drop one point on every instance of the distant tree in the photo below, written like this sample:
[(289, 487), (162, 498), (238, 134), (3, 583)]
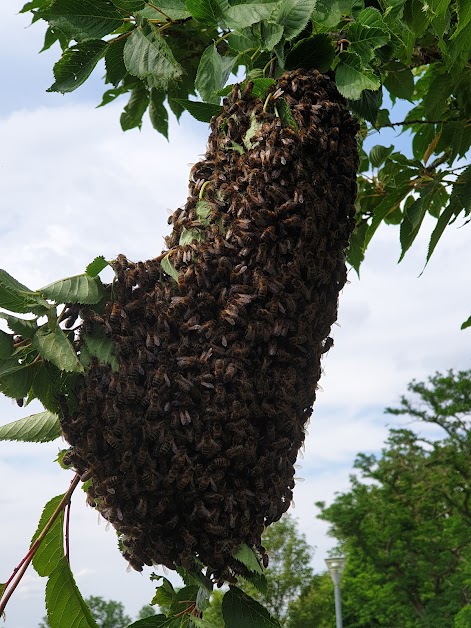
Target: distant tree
[(146, 611), (405, 523), (107, 613), (289, 568), (314, 608), (213, 614)]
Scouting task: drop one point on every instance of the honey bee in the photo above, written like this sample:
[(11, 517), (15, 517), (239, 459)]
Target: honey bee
[(126, 460), (110, 438), (328, 344), (184, 480), (141, 508), (236, 450), (219, 369)]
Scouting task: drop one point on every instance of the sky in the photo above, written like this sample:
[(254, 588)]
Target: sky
[(74, 186)]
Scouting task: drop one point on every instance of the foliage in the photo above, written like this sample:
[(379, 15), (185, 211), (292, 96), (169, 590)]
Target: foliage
[(289, 567), (404, 525), (314, 606), (107, 613), (401, 49)]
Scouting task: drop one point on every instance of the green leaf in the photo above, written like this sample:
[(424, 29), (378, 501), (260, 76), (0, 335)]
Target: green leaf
[(293, 15), (48, 382), (466, 324), (114, 62), (257, 580), (239, 610), (379, 154), (76, 65), (6, 345), (51, 550), (247, 557), (356, 248), (21, 326), (365, 39), (54, 346), (202, 623), (243, 40), (464, 15), (413, 216), (65, 606), (213, 72), (16, 297), (252, 131), (158, 113), (135, 108), (261, 86), (148, 56), (165, 593), (312, 52), (202, 111), (183, 599), (460, 199), (188, 236), (101, 347), (389, 204), (353, 78), (285, 114), (83, 20), (368, 106), (155, 621), (173, 9), (77, 289), (208, 12), (329, 12), (169, 268), (96, 266), (244, 15), (271, 34), (399, 81), (440, 227), (36, 428), (130, 6), (16, 378)]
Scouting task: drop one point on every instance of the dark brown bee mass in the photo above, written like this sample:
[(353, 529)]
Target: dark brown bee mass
[(191, 444)]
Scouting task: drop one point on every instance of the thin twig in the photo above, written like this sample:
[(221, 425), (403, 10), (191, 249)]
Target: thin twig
[(19, 571), (407, 122), (67, 532)]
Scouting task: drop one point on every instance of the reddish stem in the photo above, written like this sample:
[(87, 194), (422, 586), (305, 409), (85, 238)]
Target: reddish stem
[(19, 571), (67, 532)]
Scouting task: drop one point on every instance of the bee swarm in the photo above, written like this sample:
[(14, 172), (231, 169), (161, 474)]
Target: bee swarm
[(191, 444)]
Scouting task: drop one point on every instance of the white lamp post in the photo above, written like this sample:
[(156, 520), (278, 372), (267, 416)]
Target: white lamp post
[(336, 566)]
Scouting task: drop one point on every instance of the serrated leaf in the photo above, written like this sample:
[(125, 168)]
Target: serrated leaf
[(169, 268), (293, 15), (96, 266), (399, 81), (466, 324), (261, 86), (21, 326), (365, 39), (410, 225), (76, 65), (164, 594), (202, 623), (158, 113), (440, 227), (243, 15), (313, 52), (173, 9), (54, 346), (16, 378), (65, 606), (271, 34), (47, 384), (368, 106), (6, 345), (329, 12), (82, 289), (101, 347), (239, 610), (202, 111), (464, 15), (130, 6), (379, 154), (253, 129), (188, 236), (243, 40), (16, 297), (114, 62), (51, 550), (148, 56), (212, 74), (203, 211), (83, 20), (208, 12), (257, 580), (285, 114), (460, 199), (135, 108), (36, 428), (247, 557), (356, 248), (183, 599), (352, 78), (389, 204), (155, 621)]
